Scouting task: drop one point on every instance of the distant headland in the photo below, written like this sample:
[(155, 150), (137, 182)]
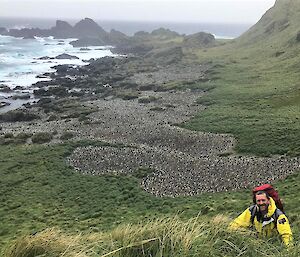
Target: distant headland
[(89, 33)]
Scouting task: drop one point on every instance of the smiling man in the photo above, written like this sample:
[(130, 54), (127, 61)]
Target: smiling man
[(266, 218)]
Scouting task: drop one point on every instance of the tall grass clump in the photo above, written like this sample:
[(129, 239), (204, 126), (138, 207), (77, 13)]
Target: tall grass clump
[(50, 242), (163, 237), (160, 237)]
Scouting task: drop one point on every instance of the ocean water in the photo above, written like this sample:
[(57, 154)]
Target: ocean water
[(19, 64)]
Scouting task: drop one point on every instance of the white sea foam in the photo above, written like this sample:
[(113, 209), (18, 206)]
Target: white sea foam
[(19, 63)]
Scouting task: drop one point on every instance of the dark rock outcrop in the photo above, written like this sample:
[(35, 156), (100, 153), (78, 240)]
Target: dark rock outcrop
[(201, 39), (29, 37), (3, 31), (59, 57), (5, 88), (62, 29), (45, 58), (162, 32), (117, 37), (3, 104), (298, 37), (66, 57), (84, 42), (28, 33), (87, 28), (17, 115), (141, 34)]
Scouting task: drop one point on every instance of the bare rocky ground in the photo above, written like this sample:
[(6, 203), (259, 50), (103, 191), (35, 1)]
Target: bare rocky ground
[(183, 162)]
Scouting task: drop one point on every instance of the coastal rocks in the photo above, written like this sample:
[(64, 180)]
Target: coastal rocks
[(57, 91), (18, 115), (142, 34), (45, 58), (166, 33), (143, 42), (84, 42), (62, 29), (89, 34), (62, 68), (110, 76), (18, 88), (5, 89), (27, 33), (29, 37), (3, 31), (21, 96), (43, 76), (3, 104), (118, 37), (59, 57), (201, 39), (87, 28), (65, 57)]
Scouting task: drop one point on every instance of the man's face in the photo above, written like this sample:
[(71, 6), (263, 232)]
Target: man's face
[(262, 201)]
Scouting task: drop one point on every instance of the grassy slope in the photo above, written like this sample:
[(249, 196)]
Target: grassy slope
[(39, 190), (256, 94)]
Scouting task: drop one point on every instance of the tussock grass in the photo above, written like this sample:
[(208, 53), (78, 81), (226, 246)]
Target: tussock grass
[(160, 237), (50, 242)]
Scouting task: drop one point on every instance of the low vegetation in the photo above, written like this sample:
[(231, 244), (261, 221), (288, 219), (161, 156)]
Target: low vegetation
[(148, 99), (41, 137), (67, 135), (17, 115), (9, 138)]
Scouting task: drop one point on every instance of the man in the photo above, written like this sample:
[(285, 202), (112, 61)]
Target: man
[(266, 218)]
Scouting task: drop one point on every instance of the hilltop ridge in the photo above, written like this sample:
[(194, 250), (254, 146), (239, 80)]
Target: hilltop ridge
[(280, 25)]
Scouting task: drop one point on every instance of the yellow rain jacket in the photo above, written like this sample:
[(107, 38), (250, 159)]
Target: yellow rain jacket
[(272, 225)]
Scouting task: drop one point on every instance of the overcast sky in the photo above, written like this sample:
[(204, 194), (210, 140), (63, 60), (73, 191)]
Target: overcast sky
[(230, 11)]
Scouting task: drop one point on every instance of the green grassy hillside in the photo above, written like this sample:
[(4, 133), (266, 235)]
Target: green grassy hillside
[(255, 92), (279, 25)]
